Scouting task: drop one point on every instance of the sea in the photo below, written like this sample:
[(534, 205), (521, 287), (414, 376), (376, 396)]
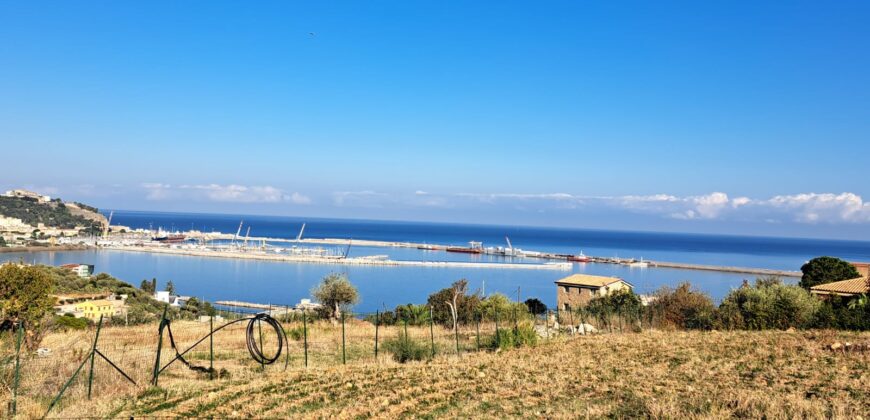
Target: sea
[(284, 283)]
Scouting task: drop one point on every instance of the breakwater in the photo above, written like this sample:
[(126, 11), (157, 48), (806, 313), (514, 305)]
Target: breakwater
[(337, 260)]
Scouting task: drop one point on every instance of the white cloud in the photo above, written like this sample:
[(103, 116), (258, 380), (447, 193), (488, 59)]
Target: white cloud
[(800, 208), (232, 193)]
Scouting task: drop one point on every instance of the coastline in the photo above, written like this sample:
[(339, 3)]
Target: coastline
[(45, 248)]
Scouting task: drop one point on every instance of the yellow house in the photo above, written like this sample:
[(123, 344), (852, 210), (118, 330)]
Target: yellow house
[(92, 309)]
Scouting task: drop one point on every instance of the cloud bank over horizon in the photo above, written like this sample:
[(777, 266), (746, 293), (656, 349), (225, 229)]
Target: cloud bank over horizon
[(842, 214)]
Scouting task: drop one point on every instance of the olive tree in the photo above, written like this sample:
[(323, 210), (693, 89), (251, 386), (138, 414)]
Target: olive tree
[(336, 294), (25, 295)]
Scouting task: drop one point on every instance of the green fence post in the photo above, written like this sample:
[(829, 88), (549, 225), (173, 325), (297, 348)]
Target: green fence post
[(343, 352), (156, 372), (15, 382), (93, 356), (478, 331), (377, 315), (497, 336), (431, 333), (516, 322), (305, 334), (211, 347)]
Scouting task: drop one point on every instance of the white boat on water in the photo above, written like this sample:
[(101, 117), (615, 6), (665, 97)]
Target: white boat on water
[(639, 264)]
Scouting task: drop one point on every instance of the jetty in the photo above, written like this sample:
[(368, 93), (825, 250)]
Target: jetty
[(726, 269), (327, 259)]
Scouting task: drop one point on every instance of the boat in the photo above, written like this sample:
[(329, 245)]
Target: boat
[(426, 247), (473, 248), (639, 264), (169, 239), (580, 258)]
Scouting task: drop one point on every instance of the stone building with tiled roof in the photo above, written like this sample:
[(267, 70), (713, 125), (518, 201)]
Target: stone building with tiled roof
[(577, 290)]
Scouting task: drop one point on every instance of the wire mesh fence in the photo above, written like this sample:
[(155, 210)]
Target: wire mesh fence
[(117, 360)]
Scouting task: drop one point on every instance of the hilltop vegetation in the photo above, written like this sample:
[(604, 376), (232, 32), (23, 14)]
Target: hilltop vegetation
[(52, 214)]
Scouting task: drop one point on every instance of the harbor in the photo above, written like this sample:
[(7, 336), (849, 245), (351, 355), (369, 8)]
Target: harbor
[(336, 251)]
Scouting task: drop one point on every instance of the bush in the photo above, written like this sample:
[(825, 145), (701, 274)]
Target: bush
[(682, 307), (768, 304), (507, 338), (624, 304), (404, 349), (69, 322), (845, 314)]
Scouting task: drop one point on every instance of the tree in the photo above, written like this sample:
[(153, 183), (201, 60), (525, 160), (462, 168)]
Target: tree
[(2, 241), (25, 295), (536, 306), (453, 305), (821, 270), (335, 293), (147, 286), (170, 287)]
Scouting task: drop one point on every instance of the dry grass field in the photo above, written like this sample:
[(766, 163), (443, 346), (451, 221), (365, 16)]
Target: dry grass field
[(654, 373)]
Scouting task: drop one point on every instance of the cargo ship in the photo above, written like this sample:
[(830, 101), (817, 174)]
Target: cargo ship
[(580, 258), (169, 239), (473, 248)]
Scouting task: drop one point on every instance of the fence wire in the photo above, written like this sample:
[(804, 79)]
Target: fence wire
[(306, 341)]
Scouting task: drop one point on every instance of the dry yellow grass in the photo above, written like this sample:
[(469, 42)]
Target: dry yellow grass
[(658, 374)]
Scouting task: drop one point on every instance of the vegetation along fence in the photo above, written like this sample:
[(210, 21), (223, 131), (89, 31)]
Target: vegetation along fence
[(111, 360)]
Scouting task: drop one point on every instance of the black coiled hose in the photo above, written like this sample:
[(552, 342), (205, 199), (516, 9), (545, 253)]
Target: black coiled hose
[(253, 340)]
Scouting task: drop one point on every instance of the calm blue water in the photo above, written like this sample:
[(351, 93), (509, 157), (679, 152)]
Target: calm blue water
[(286, 283)]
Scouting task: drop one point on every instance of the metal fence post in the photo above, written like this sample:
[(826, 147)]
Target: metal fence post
[(377, 321), (343, 352), (159, 346), (431, 333), (260, 333), (211, 347), (456, 336), (571, 317), (19, 336), (547, 323), (497, 334), (478, 331), (305, 334), (93, 356)]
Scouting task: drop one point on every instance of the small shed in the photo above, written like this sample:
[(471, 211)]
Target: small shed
[(577, 290)]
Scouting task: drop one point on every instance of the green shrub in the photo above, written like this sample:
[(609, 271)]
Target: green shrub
[(842, 313), (69, 322), (405, 349), (296, 333), (769, 304), (508, 338), (682, 307)]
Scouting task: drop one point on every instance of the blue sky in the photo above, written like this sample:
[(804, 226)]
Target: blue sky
[(736, 117)]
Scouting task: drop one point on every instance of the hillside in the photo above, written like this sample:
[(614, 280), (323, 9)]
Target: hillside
[(659, 374), (52, 214)]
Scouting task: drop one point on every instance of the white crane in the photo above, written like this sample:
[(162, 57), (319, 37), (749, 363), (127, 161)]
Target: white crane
[(238, 232)]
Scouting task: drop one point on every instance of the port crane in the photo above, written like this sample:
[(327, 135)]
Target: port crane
[(299, 236), (247, 235), (238, 232), (510, 247), (108, 223)]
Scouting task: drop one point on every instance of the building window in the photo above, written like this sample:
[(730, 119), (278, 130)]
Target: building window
[(566, 307), (567, 289)]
